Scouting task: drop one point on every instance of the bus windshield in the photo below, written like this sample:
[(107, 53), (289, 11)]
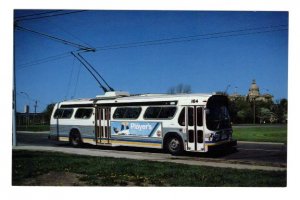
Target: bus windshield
[(217, 115)]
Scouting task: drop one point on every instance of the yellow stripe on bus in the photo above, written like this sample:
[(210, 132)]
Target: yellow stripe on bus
[(144, 144), (64, 139)]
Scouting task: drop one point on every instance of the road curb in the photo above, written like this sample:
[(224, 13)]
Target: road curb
[(252, 142), (141, 156)]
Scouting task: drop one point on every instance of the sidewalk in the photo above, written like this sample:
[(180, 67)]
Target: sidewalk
[(253, 142), (148, 156)]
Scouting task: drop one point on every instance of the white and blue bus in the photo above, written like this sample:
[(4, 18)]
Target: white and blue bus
[(177, 123)]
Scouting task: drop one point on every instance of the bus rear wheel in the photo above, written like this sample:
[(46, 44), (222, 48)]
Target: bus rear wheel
[(75, 139), (174, 145)]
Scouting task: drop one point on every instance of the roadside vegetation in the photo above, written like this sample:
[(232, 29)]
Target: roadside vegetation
[(245, 111), (34, 128), (261, 133), (45, 168)]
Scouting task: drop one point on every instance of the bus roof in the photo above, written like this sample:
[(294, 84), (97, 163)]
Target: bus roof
[(178, 99)]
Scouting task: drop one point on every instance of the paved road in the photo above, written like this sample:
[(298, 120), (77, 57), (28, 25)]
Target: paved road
[(262, 154)]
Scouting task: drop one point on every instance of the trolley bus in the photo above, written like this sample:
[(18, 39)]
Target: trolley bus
[(177, 123)]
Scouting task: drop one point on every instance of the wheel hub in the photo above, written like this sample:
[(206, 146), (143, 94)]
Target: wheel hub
[(174, 144)]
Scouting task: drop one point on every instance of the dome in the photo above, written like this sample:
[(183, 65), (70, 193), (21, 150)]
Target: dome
[(254, 86), (254, 90)]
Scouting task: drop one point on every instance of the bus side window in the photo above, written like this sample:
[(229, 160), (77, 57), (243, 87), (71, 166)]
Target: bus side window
[(119, 113), (160, 112), (58, 113), (67, 113), (167, 112), (133, 113), (83, 113), (199, 117), (191, 116), (127, 113), (181, 118), (152, 112), (63, 113)]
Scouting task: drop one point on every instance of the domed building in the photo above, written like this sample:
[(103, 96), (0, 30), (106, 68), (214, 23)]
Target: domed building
[(253, 91), (254, 94)]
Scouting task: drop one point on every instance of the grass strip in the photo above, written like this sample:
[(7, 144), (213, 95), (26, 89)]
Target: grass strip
[(34, 128), (261, 133), (100, 171)]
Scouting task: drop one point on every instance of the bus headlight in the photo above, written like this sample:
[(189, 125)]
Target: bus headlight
[(209, 136), (216, 137)]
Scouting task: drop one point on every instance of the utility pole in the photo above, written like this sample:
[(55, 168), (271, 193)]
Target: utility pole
[(27, 110), (254, 110), (35, 105), (14, 104)]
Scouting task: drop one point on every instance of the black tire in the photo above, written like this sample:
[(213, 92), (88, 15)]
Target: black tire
[(174, 145), (75, 139)]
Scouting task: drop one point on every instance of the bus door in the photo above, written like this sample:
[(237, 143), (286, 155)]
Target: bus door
[(194, 128), (102, 124)]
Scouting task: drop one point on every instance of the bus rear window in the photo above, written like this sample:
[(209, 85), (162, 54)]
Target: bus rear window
[(160, 112), (63, 113)]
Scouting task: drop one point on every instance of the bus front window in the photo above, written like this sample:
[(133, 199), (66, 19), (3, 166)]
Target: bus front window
[(217, 117)]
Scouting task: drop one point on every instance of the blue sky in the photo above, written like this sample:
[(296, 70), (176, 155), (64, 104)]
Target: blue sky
[(207, 65)]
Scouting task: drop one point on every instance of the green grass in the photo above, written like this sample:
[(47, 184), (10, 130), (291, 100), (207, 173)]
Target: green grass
[(261, 133), (34, 128), (121, 172)]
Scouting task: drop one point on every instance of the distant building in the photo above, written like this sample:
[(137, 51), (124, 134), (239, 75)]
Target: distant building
[(253, 94), (23, 119)]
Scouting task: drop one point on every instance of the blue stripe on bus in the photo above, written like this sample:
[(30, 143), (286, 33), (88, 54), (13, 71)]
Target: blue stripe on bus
[(145, 140)]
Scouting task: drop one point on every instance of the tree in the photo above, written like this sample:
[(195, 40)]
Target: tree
[(180, 89), (280, 110), (48, 111), (264, 115), (241, 111)]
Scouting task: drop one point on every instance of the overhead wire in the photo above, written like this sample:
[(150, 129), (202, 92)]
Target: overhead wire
[(42, 60), (191, 38), (164, 41), (46, 16), (37, 14), (66, 42), (69, 33)]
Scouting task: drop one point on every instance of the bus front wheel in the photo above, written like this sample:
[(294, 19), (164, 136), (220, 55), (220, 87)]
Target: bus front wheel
[(174, 145)]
